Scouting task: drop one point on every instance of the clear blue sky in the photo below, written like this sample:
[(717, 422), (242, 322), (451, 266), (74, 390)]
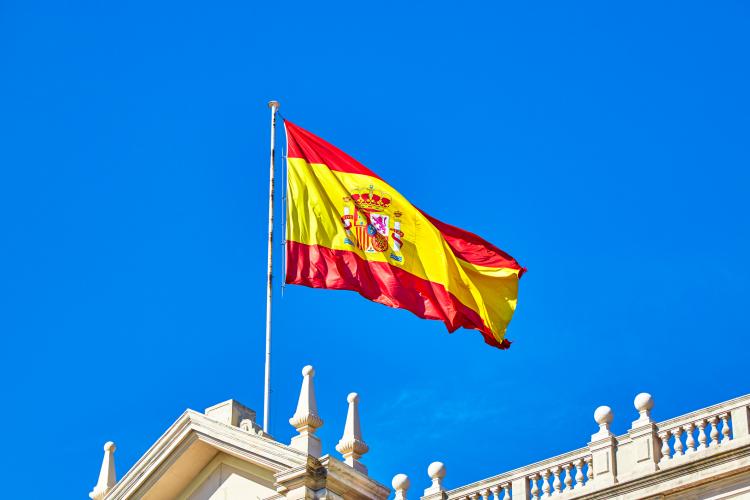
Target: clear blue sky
[(604, 145)]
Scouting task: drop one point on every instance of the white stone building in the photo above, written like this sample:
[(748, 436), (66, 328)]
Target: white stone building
[(223, 454)]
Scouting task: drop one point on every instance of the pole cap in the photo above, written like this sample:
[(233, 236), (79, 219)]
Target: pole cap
[(274, 104)]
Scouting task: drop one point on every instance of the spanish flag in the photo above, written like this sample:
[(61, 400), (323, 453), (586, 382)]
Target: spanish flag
[(348, 229)]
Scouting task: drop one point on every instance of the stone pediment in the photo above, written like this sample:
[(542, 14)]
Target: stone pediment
[(224, 454), (193, 446)]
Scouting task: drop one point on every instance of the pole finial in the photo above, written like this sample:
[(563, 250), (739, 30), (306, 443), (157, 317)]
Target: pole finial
[(274, 104)]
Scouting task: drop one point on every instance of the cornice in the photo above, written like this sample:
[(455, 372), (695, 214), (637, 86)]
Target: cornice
[(348, 478)]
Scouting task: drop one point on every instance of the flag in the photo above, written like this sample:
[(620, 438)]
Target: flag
[(348, 229)]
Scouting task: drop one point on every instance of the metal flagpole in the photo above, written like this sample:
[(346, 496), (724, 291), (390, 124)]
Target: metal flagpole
[(274, 105)]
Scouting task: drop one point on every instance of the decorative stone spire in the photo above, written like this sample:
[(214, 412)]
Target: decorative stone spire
[(436, 471), (400, 483), (107, 477), (306, 419), (351, 445)]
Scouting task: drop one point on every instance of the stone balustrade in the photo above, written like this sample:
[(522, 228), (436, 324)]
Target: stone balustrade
[(707, 428), (546, 479), (610, 462), (564, 475)]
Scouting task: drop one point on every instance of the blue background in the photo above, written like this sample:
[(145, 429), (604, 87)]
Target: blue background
[(602, 144)]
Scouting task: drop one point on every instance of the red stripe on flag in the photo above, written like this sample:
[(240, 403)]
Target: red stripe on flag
[(313, 149), (321, 267)]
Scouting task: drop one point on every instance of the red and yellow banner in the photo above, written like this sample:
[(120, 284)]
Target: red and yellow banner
[(347, 229)]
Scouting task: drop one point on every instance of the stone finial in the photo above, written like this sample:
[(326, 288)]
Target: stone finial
[(400, 483), (306, 419), (603, 416), (107, 478), (643, 402), (436, 471), (351, 445)]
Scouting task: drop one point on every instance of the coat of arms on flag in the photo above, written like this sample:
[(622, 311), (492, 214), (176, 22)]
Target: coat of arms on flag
[(367, 218)]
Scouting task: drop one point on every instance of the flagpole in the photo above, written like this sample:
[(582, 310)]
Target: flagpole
[(274, 105)]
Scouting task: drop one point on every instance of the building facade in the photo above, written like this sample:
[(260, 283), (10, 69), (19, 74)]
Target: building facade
[(222, 453)]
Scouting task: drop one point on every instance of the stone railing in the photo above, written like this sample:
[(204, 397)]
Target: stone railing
[(565, 473), (610, 461), (689, 433)]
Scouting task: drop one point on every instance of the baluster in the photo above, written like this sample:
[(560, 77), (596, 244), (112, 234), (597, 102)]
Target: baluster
[(495, 492), (556, 484), (579, 474), (589, 469), (568, 476), (546, 483), (666, 453), (474, 496), (677, 433), (714, 431), (689, 440), (485, 494), (506, 489), (724, 427), (702, 434), (534, 486)]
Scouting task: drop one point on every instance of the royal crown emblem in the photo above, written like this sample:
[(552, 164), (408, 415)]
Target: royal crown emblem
[(371, 201), (370, 221)]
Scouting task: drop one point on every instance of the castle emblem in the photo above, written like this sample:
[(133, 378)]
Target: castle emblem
[(370, 222)]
